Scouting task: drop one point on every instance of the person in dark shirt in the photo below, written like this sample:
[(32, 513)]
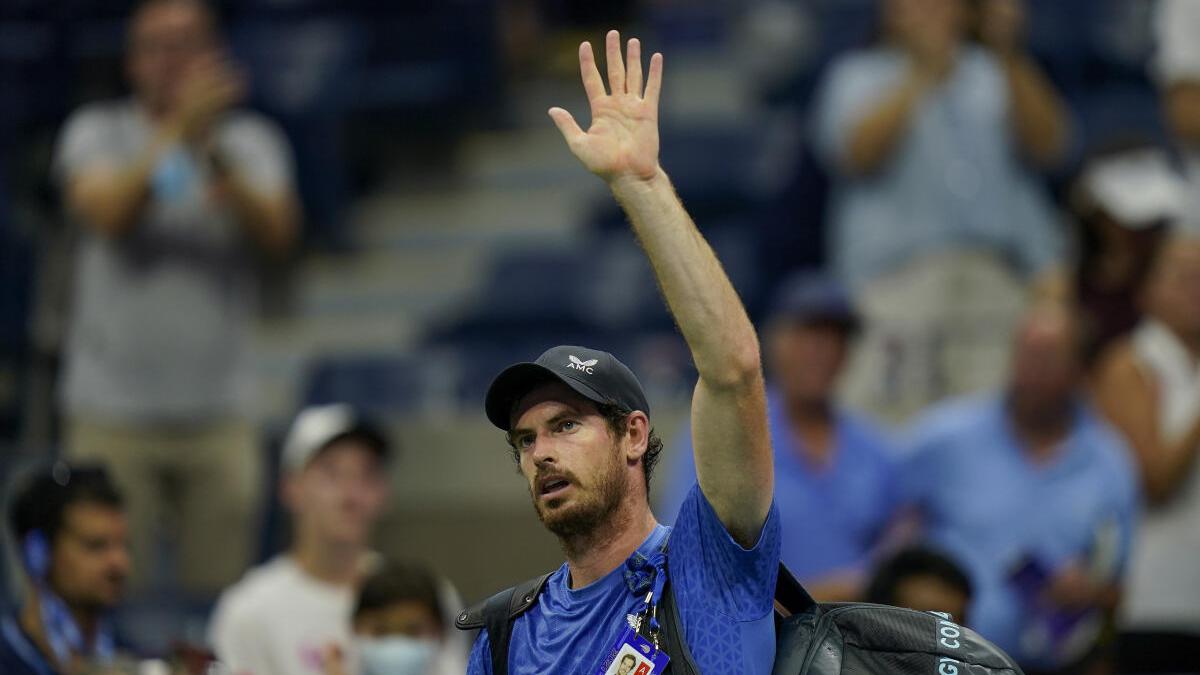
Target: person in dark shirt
[(73, 536)]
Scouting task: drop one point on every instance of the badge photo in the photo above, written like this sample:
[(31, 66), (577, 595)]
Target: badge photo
[(634, 655)]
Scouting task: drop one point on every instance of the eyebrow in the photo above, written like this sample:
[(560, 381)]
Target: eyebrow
[(569, 412)]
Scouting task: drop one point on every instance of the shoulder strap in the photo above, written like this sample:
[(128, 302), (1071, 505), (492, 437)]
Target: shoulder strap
[(496, 615), (791, 597), (673, 642)]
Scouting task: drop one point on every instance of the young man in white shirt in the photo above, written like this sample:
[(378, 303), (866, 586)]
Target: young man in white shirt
[(281, 617)]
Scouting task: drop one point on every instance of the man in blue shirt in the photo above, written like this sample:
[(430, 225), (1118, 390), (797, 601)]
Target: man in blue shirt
[(1036, 496), (578, 426), (74, 542), (835, 472)]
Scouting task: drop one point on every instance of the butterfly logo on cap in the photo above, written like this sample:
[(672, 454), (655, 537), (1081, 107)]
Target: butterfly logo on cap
[(579, 364)]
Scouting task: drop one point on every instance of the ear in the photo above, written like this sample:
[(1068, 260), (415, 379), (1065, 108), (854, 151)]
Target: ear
[(637, 432)]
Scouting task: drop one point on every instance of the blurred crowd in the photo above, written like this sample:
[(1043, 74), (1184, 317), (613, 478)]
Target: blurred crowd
[(977, 282)]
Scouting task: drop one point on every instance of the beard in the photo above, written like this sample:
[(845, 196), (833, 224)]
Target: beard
[(591, 507)]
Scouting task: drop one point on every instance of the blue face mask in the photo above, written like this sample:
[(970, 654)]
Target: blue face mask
[(395, 655)]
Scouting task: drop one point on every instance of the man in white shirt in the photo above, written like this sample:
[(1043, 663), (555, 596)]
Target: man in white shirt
[(281, 617)]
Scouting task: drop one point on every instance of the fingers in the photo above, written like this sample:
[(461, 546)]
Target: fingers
[(616, 67), (633, 65), (567, 125), (654, 82), (592, 83)]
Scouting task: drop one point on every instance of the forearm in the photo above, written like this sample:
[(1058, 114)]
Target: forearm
[(698, 293), (1039, 116), (1175, 464), (1182, 105), (269, 219), (110, 201), (874, 138)]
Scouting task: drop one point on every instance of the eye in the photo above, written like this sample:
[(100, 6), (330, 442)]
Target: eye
[(525, 441), (568, 425)]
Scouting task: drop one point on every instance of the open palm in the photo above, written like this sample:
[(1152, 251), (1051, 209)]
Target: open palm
[(623, 138)]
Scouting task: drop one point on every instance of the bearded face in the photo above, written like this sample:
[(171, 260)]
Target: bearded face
[(576, 467), (591, 502)]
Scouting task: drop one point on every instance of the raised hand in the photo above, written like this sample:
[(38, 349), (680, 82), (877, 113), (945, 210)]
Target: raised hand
[(622, 141), (211, 85)]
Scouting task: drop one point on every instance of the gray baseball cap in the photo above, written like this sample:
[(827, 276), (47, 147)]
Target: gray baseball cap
[(317, 427)]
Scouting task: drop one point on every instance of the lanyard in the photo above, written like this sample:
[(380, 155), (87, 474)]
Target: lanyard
[(638, 577)]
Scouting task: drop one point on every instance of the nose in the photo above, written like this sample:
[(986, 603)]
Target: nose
[(544, 450)]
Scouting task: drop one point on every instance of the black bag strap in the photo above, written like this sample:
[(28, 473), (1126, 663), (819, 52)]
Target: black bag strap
[(673, 642), (496, 615), (790, 596)]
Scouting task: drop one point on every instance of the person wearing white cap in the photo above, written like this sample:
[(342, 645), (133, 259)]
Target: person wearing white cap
[(281, 617)]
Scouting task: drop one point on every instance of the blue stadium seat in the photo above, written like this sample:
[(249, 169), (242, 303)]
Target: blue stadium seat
[(380, 384)]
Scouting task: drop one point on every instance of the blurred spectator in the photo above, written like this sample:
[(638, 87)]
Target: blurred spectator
[(172, 187), (834, 471), (1036, 496), (922, 579), (71, 531), (1122, 200), (1149, 386), (280, 616), (1178, 66), (400, 626), (936, 218)]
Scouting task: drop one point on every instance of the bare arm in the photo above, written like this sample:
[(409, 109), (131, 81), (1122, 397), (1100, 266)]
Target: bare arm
[(1038, 112), (1039, 116), (1182, 104), (1129, 400), (270, 217), (729, 426), (875, 136), (110, 199)]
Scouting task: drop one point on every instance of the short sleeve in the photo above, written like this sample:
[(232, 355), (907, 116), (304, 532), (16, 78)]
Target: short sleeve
[(237, 642), (1177, 23), (257, 150), (710, 570), (86, 140), (480, 661)]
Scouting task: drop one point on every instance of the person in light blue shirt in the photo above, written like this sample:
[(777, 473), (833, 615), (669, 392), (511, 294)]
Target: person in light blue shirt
[(929, 139), (577, 421), (935, 219), (835, 471), (1036, 496)]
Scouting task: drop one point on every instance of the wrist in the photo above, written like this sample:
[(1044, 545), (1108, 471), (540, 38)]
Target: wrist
[(633, 184)]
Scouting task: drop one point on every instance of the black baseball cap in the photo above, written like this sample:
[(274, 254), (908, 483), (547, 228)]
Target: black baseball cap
[(595, 375)]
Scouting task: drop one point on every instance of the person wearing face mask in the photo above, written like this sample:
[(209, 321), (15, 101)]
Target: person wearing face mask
[(400, 627)]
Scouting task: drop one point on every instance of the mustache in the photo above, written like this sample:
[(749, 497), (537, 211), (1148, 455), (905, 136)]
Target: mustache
[(555, 474)]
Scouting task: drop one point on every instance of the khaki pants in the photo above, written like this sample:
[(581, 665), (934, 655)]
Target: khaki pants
[(202, 484), (940, 326)]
